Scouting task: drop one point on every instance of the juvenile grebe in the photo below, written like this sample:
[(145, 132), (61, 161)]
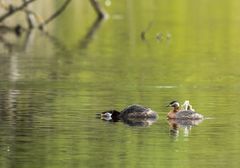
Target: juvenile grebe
[(134, 111), (186, 113)]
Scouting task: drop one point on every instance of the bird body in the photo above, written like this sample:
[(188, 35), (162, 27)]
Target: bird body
[(133, 111), (185, 113)]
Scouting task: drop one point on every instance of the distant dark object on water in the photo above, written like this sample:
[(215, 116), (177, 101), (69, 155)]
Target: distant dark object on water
[(143, 33)]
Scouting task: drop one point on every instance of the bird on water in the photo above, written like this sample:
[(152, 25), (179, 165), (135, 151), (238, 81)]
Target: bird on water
[(187, 112), (134, 111)]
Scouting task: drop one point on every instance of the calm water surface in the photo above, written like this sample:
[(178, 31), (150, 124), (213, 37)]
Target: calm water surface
[(51, 87)]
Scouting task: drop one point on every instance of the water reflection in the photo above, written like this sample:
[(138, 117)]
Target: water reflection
[(90, 33), (185, 124), (29, 38), (9, 39), (139, 122)]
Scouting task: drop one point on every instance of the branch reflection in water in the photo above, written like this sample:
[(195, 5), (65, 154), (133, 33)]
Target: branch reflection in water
[(83, 43)]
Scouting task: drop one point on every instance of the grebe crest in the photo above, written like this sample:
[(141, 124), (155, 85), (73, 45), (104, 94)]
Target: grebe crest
[(173, 104)]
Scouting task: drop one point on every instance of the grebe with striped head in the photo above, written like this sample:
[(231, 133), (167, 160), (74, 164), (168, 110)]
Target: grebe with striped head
[(187, 112)]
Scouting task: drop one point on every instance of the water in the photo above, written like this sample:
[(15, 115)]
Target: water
[(52, 85)]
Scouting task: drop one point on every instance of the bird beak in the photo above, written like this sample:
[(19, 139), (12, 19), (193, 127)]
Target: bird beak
[(168, 105)]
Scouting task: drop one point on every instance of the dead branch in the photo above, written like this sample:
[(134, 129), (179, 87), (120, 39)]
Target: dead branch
[(13, 10), (96, 6), (54, 15)]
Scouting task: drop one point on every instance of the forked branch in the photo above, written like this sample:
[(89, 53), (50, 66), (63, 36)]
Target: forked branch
[(13, 10)]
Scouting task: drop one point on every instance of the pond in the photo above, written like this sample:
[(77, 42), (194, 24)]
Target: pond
[(52, 85)]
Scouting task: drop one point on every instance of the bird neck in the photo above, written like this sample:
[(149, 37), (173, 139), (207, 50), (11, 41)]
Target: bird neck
[(175, 109)]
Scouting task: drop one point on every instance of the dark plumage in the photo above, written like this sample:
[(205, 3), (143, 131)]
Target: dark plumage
[(132, 111)]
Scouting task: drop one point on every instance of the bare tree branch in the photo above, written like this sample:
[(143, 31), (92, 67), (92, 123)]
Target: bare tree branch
[(54, 15), (101, 14), (13, 10)]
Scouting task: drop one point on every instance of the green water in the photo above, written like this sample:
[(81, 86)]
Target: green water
[(51, 87)]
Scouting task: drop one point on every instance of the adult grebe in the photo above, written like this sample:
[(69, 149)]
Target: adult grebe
[(186, 113), (133, 111)]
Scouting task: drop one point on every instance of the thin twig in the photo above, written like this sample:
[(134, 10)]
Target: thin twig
[(54, 15), (13, 10)]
